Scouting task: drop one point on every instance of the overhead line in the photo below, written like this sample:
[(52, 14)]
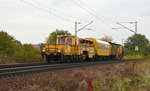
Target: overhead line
[(46, 11), (90, 13), (56, 10), (93, 14), (125, 27), (97, 13), (53, 9), (119, 36), (119, 30), (103, 34)]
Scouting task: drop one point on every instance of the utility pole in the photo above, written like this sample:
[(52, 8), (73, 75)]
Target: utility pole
[(134, 31), (135, 27), (76, 31), (75, 35), (122, 41), (124, 27)]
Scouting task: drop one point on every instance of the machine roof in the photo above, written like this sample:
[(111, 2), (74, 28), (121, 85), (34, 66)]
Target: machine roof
[(99, 41)]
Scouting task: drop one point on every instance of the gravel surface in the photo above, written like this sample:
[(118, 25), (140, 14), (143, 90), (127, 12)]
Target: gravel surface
[(75, 79)]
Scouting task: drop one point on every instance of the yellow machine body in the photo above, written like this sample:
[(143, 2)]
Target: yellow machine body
[(89, 48), (101, 48), (65, 47)]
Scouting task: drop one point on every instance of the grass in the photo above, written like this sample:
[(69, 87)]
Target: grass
[(134, 57), (12, 60)]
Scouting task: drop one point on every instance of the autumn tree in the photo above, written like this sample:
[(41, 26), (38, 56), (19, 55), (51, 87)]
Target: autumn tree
[(107, 38), (52, 37)]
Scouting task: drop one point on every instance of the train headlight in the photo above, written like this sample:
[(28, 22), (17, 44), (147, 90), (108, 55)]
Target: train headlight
[(58, 49)]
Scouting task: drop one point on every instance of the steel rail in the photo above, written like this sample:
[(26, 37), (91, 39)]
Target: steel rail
[(14, 69), (2, 66), (17, 71)]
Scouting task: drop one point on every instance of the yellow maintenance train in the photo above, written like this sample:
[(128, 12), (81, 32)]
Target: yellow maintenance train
[(85, 49)]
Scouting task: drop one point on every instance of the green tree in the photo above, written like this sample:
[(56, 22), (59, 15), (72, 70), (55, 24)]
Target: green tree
[(41, 46), (52, 37), (12, 51), (137, 40), (7, 43)]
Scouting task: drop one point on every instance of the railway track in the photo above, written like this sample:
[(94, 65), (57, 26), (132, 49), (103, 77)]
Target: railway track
[(23, 69), (2, 66)]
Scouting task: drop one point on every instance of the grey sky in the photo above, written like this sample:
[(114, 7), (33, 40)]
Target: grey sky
[(31, 25)]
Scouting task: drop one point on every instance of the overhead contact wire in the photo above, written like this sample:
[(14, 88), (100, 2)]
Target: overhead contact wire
[(46, 11)]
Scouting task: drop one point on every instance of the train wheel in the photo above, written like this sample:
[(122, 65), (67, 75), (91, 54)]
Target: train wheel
[(62, 59), (90, 59), (96, 58), (72, 58), (48, 58)]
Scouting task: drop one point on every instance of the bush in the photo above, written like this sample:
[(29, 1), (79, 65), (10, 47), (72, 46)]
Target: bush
[(26, 53), (148, 56), (11, 50), (7, 44)]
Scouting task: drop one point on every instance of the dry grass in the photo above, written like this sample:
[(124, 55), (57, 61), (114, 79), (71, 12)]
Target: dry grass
[(129, 76)]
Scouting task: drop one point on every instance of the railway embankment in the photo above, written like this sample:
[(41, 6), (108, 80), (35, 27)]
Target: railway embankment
[(127, 76)]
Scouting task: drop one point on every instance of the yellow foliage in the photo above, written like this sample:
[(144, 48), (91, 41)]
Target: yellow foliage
[(133, 57)]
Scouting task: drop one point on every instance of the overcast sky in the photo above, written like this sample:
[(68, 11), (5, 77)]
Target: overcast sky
[(30, 24)]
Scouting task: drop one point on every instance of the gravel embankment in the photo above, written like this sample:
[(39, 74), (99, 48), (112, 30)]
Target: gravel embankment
[(104, 77)]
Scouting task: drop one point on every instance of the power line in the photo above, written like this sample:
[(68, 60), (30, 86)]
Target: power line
[(94, 12), (90, 13), (57, 10), (51, 8), (109, 33), (125, 27), (103, 29), (103, 34), (120, 31), (61, 12), (119, 36), (46, 11)]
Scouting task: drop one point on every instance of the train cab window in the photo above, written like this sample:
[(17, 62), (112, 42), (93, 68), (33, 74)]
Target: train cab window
[(69, 41), (103, 47), (61, 41)]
